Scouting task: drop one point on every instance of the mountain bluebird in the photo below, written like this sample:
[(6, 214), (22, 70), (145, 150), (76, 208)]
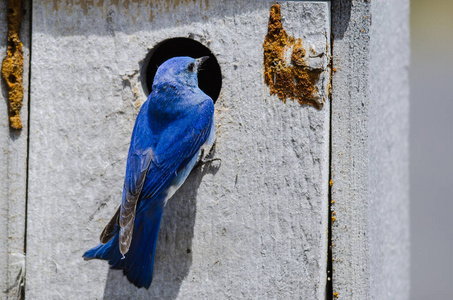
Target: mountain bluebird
[(172, 127)]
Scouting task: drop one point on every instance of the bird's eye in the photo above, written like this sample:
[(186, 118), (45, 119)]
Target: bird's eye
[(191, 67)]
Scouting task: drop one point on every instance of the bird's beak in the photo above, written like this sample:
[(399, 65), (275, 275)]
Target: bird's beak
[(200, 61)]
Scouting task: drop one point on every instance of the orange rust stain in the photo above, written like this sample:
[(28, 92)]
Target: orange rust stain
[(86, 4), (13, 64), (294, 80), (55, 4), (156, 7)]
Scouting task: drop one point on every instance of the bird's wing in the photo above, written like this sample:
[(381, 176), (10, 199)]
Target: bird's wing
[(138, 163), (150, 171), (111, 228)]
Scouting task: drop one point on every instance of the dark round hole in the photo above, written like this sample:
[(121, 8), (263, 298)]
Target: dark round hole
[(209, 77), (12, 78)]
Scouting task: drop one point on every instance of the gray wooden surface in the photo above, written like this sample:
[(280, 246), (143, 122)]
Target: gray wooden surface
[(13, 170), (254, 226), (370, 149)]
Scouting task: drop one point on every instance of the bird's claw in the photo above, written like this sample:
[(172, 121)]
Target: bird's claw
[(209, 160), (203, 160)]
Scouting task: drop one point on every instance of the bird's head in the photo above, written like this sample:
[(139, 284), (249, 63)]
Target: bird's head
[(181, 70)]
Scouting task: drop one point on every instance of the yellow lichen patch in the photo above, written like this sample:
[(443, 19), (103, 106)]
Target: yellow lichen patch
[(13, 64), (335, 295), (330, 182), (292, 79)]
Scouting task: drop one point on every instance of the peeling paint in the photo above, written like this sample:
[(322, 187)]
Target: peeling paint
[(286, 71), (13, 64)]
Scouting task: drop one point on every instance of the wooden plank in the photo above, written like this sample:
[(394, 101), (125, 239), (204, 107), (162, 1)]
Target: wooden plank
[(370, 111), (13, 170), (254, 226)]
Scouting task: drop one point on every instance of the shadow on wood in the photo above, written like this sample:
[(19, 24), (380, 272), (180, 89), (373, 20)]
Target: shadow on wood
[(174, 247)]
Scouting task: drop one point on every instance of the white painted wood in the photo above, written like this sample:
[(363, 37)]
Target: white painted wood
[(255, 225)]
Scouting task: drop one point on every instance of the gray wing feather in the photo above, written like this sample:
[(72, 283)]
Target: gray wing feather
[(130, 200), (112, 228)]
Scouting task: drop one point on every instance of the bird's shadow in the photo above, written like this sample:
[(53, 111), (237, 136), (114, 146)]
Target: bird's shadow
[(174, 247)]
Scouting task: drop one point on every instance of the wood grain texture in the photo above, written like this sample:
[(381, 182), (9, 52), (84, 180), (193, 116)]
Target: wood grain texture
[(13, 172), (370, 134), (253, 226)]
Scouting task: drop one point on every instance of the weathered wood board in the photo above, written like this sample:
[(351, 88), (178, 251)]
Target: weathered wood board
[(253, 226), (13, 170), (370, 152)]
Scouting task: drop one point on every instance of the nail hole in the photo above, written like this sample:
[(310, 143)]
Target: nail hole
[(12, 47), (209, 77), (12, 78)]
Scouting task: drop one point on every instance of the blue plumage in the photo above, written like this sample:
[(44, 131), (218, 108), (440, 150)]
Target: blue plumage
[(172, 126)]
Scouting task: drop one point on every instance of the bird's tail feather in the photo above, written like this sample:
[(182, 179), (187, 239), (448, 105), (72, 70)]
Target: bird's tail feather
[(137, 264)]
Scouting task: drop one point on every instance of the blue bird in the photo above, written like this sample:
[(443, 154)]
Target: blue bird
[(173, 126)]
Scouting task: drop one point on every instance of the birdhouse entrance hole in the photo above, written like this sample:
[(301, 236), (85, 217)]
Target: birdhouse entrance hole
[(209, 77)]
